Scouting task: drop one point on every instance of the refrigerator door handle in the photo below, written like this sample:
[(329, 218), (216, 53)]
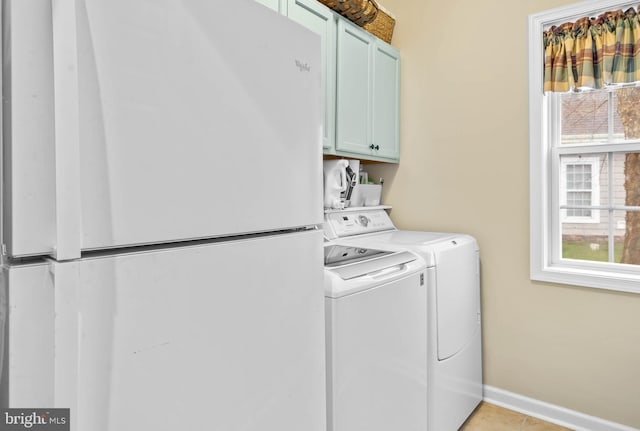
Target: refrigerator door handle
[(67, 140), (66, 332)]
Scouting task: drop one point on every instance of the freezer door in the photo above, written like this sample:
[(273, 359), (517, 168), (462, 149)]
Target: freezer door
[(222, 337), (172, 121), (28, 150)]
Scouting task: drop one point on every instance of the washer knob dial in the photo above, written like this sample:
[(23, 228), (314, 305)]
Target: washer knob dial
[(364, 220)]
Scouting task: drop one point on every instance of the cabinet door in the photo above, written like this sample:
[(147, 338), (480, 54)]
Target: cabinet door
[(386, 86), (354, 96), (322, 21)]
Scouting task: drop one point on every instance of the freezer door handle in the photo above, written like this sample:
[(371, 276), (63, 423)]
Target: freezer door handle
[(67, 139)]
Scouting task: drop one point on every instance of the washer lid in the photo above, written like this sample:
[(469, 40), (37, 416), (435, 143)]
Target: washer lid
[(338, 255), (350, 262)]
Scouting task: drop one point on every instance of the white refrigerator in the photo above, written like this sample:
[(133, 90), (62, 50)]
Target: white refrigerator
[(162, 267)]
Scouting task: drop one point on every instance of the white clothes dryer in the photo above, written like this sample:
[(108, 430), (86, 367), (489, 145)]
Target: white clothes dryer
[(454, 336), (376, 333)]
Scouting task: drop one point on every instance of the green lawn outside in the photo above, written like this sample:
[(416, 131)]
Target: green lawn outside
[(583, 251)]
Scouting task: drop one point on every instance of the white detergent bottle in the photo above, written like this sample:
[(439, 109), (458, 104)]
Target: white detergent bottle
[(335, 183)]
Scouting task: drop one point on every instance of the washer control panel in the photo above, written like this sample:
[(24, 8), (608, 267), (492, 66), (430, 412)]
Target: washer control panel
[(348, 223)]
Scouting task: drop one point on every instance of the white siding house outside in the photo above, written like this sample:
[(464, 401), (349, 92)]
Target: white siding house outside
[(586, 179)]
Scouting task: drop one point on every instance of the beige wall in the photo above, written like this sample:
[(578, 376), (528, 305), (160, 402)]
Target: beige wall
[(464, 167)]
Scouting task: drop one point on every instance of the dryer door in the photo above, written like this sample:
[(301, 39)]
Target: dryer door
[(457, 294)]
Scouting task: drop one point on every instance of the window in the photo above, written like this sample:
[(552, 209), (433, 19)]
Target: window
[(583, 145), (579, 189)]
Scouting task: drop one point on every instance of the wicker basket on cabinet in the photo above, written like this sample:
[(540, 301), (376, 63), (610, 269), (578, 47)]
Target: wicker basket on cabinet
[(382, 26), (367, 14), (360, 12)]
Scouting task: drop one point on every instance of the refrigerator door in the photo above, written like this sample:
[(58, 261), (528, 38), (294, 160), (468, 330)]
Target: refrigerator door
[(223, 337), (172, 120), (27, 336)]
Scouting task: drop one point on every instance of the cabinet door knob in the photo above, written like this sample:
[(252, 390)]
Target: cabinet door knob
[(371, 146), (374, 147), (377, 147)]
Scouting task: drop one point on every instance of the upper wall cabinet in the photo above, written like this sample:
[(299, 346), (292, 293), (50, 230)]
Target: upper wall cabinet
[(386, 101), (368, 84), (361, 79), (322, 21), (277, 5), (355, 61)]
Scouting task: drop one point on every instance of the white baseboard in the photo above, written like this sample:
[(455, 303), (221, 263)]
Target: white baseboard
[(551, 413)]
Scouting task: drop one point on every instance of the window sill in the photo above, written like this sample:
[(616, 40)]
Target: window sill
[(576, 275)]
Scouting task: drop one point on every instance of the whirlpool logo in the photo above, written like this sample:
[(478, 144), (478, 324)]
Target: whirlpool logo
[(303, 66), (35, 419)]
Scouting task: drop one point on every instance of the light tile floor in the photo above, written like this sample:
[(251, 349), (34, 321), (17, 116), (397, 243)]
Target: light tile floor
[(489, 417)]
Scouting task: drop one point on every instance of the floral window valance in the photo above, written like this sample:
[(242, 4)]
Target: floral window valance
[(593, 52)]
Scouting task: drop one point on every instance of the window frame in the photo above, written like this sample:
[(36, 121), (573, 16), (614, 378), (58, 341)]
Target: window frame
[(545, 263)]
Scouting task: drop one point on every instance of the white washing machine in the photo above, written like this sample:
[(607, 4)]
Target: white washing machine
[(376, 331), (454, 336)]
